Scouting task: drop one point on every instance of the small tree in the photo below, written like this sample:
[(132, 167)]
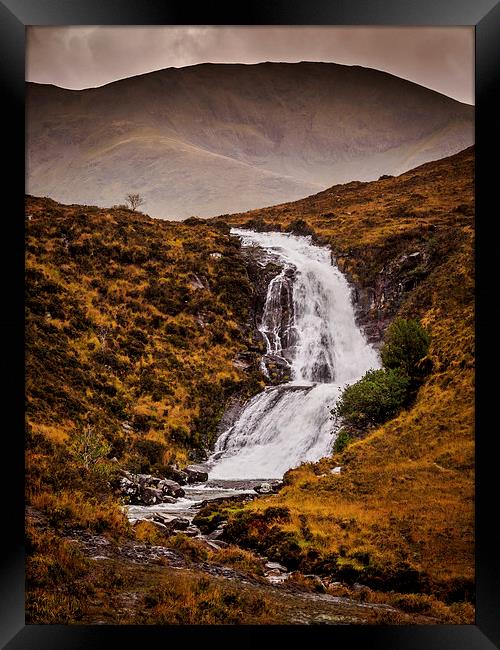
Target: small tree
[(406, 344), (375, 398), (89, 448), (134, 201)]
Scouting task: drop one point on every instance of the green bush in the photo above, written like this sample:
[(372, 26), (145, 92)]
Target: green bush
[(375, 398), (344, 437), (406, 344)]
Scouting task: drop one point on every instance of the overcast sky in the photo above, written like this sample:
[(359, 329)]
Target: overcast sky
[(441, 58)]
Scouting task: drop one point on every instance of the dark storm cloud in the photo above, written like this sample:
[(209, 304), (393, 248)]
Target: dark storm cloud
[(441, 58)]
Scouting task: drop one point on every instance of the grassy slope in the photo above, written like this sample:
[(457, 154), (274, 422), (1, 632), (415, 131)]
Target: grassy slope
[(132, 329), (402, 506), (131, 320)]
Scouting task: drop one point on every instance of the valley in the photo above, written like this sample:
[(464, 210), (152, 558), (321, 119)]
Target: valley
[(143, 335)]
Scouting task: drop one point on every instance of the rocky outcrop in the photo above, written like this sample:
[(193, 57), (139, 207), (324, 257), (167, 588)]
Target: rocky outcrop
[(147, 490), (169, 525), (212, 514), (376, 303), (196, 474)]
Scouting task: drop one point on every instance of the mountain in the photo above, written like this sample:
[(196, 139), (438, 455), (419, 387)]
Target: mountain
[(217, 138)]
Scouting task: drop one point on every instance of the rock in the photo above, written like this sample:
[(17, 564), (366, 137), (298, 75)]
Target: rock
[(171, 525), (278, 369), (149, 495), (166, 499), (147, 479), (178, 475), (218, 532), (144, 489), (244, 360), (263, 488), (275, 566), (211, 544), (196, 474), (128, 487), (273, 572), (192, 531), (269, 487), (336, 470), (219, 542), (179, 523), (198, 283), (157, 524), (170, 488)]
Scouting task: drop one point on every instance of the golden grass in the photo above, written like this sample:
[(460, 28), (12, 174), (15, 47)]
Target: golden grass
[(74, 508)]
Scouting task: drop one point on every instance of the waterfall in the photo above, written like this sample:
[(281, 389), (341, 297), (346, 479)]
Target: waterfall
[(307, 322)]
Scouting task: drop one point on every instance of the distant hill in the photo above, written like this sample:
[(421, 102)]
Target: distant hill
[(218, 138)]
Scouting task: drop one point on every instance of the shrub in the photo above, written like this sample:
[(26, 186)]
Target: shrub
[(299, 227), (375, 398), (344, 437), (150, 449), (89, 447), (406, 344), (239, 558)]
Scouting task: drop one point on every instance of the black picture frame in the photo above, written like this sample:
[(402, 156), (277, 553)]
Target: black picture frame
[(14, 16)]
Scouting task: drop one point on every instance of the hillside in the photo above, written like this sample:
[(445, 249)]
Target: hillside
[(400, 514), (213, 138), (134, 326)]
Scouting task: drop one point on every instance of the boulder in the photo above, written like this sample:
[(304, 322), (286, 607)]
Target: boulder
[(218, 532), (149, 495), (144, 489), (166, 499), (191, 531), (269, 487), (179, 523), (213, 545), (177, 475), (263, 488), (218, 543), (170, 525), (128, 488), (170, 488), (147, 479), (196, 474)]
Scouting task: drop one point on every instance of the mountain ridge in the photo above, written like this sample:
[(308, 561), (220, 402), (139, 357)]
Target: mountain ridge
[(347, 122)]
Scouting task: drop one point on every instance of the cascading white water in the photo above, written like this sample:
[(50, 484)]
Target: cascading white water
[(315, 332)]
